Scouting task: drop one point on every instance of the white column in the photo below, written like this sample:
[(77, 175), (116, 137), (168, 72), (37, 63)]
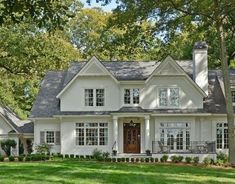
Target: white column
[(115, 133), (147, 133)]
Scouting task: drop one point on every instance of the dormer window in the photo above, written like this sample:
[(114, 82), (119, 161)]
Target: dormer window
[(169, 97), (94, 97), (131, 96)]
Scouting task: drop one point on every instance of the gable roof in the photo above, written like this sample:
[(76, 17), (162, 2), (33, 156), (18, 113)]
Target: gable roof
[(15, 122)]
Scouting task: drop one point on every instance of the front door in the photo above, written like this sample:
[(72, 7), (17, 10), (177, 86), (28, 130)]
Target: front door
[(131, 137)]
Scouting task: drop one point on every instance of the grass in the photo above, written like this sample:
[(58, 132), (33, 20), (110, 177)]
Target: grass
[(96, 172)]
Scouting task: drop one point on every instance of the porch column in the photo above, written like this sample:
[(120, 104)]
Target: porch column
[(147, 133), (115, 133)]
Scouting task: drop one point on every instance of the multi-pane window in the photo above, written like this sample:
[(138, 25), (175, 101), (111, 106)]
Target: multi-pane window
[(127, 96), (233, 95), (169, 97), (50, 137), (94, 97), (132, 96), (176, 135), (91, 134), (222, 136), (89, 97), (99, 97)]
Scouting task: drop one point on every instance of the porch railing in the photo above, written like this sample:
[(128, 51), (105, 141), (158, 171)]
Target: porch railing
[(184, 147)]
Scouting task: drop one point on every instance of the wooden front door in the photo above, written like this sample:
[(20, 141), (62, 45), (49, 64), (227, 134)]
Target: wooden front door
[(131, 137)]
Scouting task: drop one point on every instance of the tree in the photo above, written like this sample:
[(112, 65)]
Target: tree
[(7, 144), (176, 15), (47, 14)]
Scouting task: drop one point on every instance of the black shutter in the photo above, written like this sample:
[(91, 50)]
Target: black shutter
[(57, 138), (42, 137)]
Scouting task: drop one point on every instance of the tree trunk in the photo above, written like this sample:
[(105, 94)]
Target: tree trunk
[(226, 79)]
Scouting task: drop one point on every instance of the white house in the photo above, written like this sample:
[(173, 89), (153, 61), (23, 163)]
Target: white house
[(11, 127), (168, 107)]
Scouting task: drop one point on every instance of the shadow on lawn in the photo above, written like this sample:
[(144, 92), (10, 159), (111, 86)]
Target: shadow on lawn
[(111, 173)]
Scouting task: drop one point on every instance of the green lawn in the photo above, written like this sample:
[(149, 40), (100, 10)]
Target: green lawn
[(93, 173)]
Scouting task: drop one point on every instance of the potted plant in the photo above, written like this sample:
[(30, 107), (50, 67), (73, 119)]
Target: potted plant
[(148, 152), (114, 152)]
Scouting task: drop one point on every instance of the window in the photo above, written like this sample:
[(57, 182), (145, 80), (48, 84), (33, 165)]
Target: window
[(50, 137), (169, 97), (88, 97), (99, 97), (233, 95), (132, 96), (91, 134), (176, 135), (222, 136)]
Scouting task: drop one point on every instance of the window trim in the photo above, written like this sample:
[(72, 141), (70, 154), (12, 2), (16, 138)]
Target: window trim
[(45, 137), (84, 127), (94, 97), (168, 97), (131, 96)]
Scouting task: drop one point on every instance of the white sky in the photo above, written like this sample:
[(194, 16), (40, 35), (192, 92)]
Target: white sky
[(107, 8)]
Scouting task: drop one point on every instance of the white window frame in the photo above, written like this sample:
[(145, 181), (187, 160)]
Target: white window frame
[(85, 127), (168, 97), (94, 97), (131, 97), (186, 129), (45, 137), (222, 128), (233, 90)]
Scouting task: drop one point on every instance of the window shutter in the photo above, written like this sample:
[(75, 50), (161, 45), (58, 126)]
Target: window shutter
[(42, 137), (57, 138)]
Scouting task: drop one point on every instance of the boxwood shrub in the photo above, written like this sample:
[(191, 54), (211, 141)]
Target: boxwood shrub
[(1, 158), (11, 158), (20, 158)]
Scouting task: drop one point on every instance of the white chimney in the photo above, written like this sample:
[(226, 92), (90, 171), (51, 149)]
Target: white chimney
[(200, 65)]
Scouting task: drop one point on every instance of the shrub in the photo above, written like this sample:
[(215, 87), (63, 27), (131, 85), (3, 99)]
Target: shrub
[(71, 155), (219, 162), (188, 159), (82, 157), (36, 157), (174, 159), (43, 148), (146, 159), (123, 159), (127, 159), (88, 157), (148, 152), (164, 158), (28, 158), (142, 160), (1, 158), (207, 161), (108, 159), (222, 157), (137, 160), (180, 158), (152, 159), (77, 156), (7, 144), (98, 155), (156, 159), (105, 155), (196, 160), (114, 159), (132, 160), (66, 156), (119, 160), (11, 158), (20, 158)]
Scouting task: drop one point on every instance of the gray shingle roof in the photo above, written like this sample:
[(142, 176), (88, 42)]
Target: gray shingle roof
[(47, 105), (19, 125)]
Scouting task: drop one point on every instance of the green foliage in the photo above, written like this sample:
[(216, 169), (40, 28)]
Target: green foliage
[(97, 154), (207, 161), (188, 159), (177, 159), (114, 159), (222, 158), (132, 159), (137, 160), (156, 159), (127, 159), (11, 158), (43, 148), (66, 156), (195, 160), (119, 159), (7, 144), (164, 158), (142, 159), (20, 158), (123, 159), (28, 158), (1, 158), (71, 156), (146, 159)]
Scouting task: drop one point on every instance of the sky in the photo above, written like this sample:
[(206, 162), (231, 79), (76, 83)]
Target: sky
[(107, 8)]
